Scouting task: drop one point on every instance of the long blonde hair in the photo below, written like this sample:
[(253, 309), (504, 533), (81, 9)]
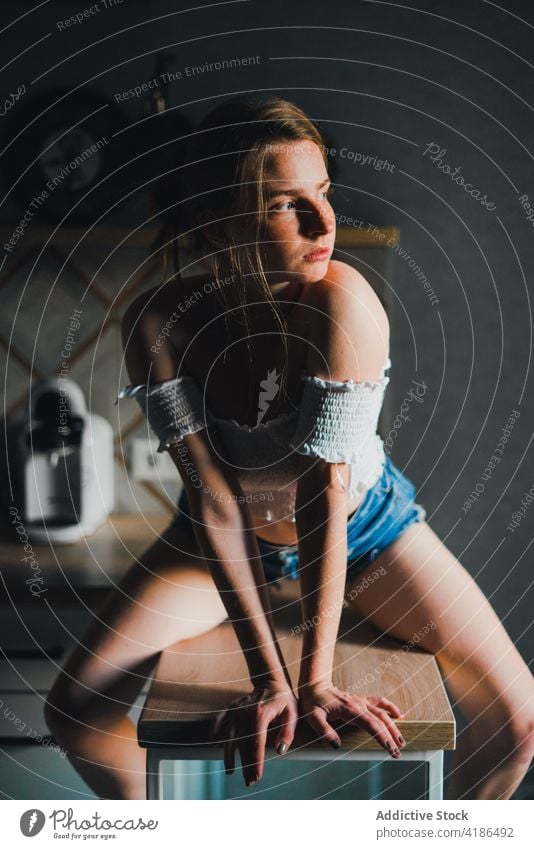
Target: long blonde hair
[(224, 178)]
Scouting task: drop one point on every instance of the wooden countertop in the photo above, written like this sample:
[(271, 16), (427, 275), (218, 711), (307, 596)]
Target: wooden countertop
[(93, 563)]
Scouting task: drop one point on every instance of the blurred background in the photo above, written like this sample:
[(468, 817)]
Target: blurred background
[(429, 115)]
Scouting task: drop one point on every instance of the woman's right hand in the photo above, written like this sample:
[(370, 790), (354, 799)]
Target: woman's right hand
[(244, 725), (322, 704)]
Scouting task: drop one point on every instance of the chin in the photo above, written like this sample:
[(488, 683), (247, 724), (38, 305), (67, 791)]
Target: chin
[(315, 272)]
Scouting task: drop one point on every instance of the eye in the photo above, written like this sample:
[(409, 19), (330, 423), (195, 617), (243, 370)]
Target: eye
[(285, 206), (328, 192)]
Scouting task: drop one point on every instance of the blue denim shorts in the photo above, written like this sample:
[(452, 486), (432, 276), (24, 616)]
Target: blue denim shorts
[(388, 508)]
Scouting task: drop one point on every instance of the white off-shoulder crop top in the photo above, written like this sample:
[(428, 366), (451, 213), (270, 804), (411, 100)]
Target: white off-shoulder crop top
[(336, 420)]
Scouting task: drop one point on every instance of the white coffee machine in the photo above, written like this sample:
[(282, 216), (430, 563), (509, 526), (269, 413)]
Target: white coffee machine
[(61, 462)]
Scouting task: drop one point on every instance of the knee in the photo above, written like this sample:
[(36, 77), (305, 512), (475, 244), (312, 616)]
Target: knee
[(66, 714), (522, 736), (58, 716), (515, 738)]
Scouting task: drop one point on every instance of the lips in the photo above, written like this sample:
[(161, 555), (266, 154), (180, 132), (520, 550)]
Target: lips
[(320, 253)]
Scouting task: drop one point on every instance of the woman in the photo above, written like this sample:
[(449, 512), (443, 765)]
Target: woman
[(280, 479)]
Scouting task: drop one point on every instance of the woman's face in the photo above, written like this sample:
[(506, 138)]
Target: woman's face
[(301, 227)]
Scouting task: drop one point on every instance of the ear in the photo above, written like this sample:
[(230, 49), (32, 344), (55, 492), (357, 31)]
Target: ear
[(213, 230)]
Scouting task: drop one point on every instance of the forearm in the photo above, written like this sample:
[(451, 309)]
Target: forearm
[(231, 549), (322, 534)]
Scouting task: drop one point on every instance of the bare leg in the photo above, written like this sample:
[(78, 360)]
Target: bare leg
[(167, 596), (482, 669)]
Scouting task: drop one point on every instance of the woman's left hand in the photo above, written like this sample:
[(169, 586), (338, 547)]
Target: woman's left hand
[(320, 705), (245, 723)]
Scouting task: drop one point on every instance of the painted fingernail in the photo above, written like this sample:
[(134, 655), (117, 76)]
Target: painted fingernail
[(402, 740), (335, 744), (388, 745), (282, 748)]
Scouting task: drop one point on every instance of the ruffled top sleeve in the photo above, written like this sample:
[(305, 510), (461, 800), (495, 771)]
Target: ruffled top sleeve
[(338, 421), (173, 408)]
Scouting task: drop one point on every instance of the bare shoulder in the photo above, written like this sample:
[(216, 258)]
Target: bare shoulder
[(344, 286), (152, 302), (349, 329), (141, 307), (156, 312), (152, 339)]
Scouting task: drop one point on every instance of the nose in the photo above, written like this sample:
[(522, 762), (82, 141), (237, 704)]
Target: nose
[(318, 220)]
